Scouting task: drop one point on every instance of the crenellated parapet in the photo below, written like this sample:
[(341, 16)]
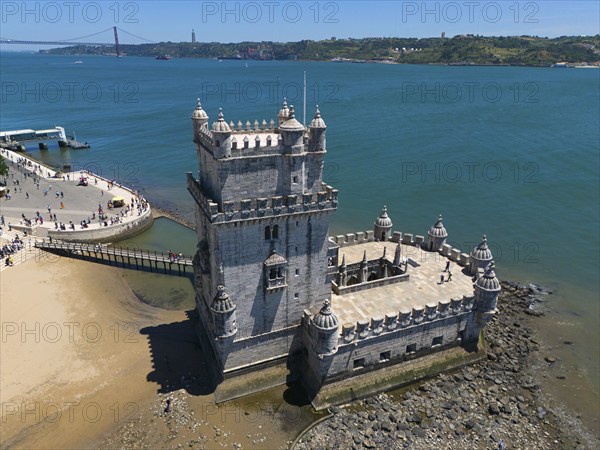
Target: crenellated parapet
[(405, 319), (259, 138), (360, 237), (259, 208)]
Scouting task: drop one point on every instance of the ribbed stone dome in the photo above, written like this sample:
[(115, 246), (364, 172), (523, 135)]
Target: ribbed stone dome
[(384, 220), (221, 126), (488, 281), (291, 124), (318, 121), (482, 251), (438, 229), (199, 113), (222, 303), (326, 319)]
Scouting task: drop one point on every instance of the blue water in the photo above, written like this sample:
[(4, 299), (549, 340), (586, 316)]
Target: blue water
[(510, 152)]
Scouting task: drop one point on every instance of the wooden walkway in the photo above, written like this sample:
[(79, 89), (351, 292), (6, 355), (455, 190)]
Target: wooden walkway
[(135, 258)]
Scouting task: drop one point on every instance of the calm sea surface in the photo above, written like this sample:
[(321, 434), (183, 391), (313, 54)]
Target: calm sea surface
[(506, 151)]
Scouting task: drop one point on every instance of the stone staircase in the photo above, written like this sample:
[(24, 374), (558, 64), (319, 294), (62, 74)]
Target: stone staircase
[(26, 253)]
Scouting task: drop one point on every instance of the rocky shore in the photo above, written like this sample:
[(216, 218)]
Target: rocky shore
[(496, 403)]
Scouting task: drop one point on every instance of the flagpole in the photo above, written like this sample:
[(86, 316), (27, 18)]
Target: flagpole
[(304, 116)]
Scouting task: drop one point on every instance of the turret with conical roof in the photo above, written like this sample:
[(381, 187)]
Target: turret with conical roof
[(223, 312), (383, 226), (317, 141), (199, 120), (481, 256), (292, 132), (284, 113), (437, 235), (487, 288), (325, 334), (221, 132)]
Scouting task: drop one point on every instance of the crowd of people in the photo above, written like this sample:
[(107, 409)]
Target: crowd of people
[(174, 257), (37, 170), (10, 248), (25, 172)]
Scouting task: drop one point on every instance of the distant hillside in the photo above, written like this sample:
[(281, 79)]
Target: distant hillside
[(465, 49)]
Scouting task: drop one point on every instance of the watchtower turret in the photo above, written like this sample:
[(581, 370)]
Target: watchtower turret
[(318, 130), (487, 288), (481, 256), (292, 133), (199, 120), (223, 312), (437, 235), (221, 132), (383, 226), (284, 113), (325, 331)]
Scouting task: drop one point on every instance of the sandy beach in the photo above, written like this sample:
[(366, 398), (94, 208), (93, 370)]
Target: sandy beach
[(73, 362), (85, 364)]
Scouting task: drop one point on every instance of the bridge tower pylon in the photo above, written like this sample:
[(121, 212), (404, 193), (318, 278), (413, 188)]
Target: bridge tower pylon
[(117, 42)]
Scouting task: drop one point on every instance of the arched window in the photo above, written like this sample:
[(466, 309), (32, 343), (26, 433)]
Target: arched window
[(275, 232), (275, 272), (267, 232)]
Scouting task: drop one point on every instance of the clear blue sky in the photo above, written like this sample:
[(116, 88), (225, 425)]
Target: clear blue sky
[(291, 21)]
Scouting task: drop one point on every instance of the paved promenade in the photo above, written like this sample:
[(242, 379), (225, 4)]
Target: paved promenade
[(60, 204)]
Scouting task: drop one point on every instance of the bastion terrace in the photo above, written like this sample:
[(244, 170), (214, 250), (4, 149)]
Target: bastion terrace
[(421, 288)]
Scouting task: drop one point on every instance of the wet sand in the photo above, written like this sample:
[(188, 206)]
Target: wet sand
[(72, 358), (85, 364)]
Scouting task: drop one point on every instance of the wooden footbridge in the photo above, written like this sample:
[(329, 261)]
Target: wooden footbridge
[(133, 258)]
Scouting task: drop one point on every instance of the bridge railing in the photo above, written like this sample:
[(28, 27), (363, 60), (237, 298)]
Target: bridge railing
[(149, 255)]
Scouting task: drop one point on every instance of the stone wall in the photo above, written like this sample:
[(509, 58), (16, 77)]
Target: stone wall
[(107, 234), (360, 355), (361, 237)]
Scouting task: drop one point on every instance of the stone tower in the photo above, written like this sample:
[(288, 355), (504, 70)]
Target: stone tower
[(481, 256), (199, 120), (262, 218), (325, 332), (437, 235), (486, 289), (383, 226)]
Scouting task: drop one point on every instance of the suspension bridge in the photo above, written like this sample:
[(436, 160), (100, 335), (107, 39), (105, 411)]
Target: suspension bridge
[(82, 40)]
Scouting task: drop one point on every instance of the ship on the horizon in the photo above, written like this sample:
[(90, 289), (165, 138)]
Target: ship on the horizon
[(164, 57)]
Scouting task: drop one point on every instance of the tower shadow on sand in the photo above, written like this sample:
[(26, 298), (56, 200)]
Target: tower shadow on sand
[(178, 359)]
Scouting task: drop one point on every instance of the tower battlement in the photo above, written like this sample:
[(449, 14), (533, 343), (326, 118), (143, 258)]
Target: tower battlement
[(259, 208)]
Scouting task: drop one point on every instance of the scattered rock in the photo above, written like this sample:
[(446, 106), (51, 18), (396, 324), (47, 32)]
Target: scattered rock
[(476, 407)]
